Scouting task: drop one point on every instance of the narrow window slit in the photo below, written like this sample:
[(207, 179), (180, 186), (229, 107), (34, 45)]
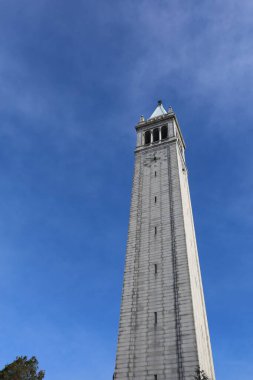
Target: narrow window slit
[(156, 135), (155, 377), (155, 174), (155, 230), (147, 137), (155, 268), (155, 315), (155, 199), (164, 132)]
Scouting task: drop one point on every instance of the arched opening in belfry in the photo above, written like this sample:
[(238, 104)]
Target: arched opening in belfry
[(147, 137), (156, 134), (164, 132)]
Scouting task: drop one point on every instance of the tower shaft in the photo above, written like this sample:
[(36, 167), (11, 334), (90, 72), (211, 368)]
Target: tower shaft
[(163, 331)]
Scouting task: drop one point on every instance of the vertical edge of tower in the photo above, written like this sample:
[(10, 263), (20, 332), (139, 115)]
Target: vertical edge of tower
[(198, 302), (125, 346)]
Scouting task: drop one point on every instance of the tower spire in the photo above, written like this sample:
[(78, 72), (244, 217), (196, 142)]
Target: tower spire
[(159, 111)]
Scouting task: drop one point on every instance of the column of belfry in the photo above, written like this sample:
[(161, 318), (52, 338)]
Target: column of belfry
[(163, 330)]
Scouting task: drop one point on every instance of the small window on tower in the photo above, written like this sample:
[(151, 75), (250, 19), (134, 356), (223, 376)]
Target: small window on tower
[(155, 199), (155, 377), (155, 230), (155, 268), (155, 317), (147, 137), (155, 174), (156, 135), (164, 132)]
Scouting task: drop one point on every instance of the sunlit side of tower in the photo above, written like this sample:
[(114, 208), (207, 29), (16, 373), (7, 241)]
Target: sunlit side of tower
[(163, 331)]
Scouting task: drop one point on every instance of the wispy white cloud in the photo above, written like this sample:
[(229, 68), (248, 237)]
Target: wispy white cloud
[(207, 48)]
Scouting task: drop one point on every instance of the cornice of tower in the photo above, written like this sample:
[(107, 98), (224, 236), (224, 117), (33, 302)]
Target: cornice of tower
[(154, 146), (155, 120)]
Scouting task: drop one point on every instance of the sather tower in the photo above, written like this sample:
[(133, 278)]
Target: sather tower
[(163, 331)]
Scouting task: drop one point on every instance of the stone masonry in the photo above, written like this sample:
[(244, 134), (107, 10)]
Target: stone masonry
[(163, 330)]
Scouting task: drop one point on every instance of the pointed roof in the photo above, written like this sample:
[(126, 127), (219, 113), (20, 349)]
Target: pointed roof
[(159, 111)]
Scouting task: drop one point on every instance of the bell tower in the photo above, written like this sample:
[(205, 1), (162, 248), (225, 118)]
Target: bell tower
[(163, 330)]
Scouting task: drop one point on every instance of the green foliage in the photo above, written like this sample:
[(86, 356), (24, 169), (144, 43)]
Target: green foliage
[(22, 369), (199, 374)]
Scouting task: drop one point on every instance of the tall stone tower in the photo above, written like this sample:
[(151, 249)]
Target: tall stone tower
[(163, 331)]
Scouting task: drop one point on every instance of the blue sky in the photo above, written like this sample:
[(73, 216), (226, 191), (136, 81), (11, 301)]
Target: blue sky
[(74, 79)]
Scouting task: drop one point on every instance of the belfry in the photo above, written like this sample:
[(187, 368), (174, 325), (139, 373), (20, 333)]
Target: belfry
[(163, 330)]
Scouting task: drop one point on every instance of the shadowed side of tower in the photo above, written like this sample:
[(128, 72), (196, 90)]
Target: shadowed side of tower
[(163, 331)]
